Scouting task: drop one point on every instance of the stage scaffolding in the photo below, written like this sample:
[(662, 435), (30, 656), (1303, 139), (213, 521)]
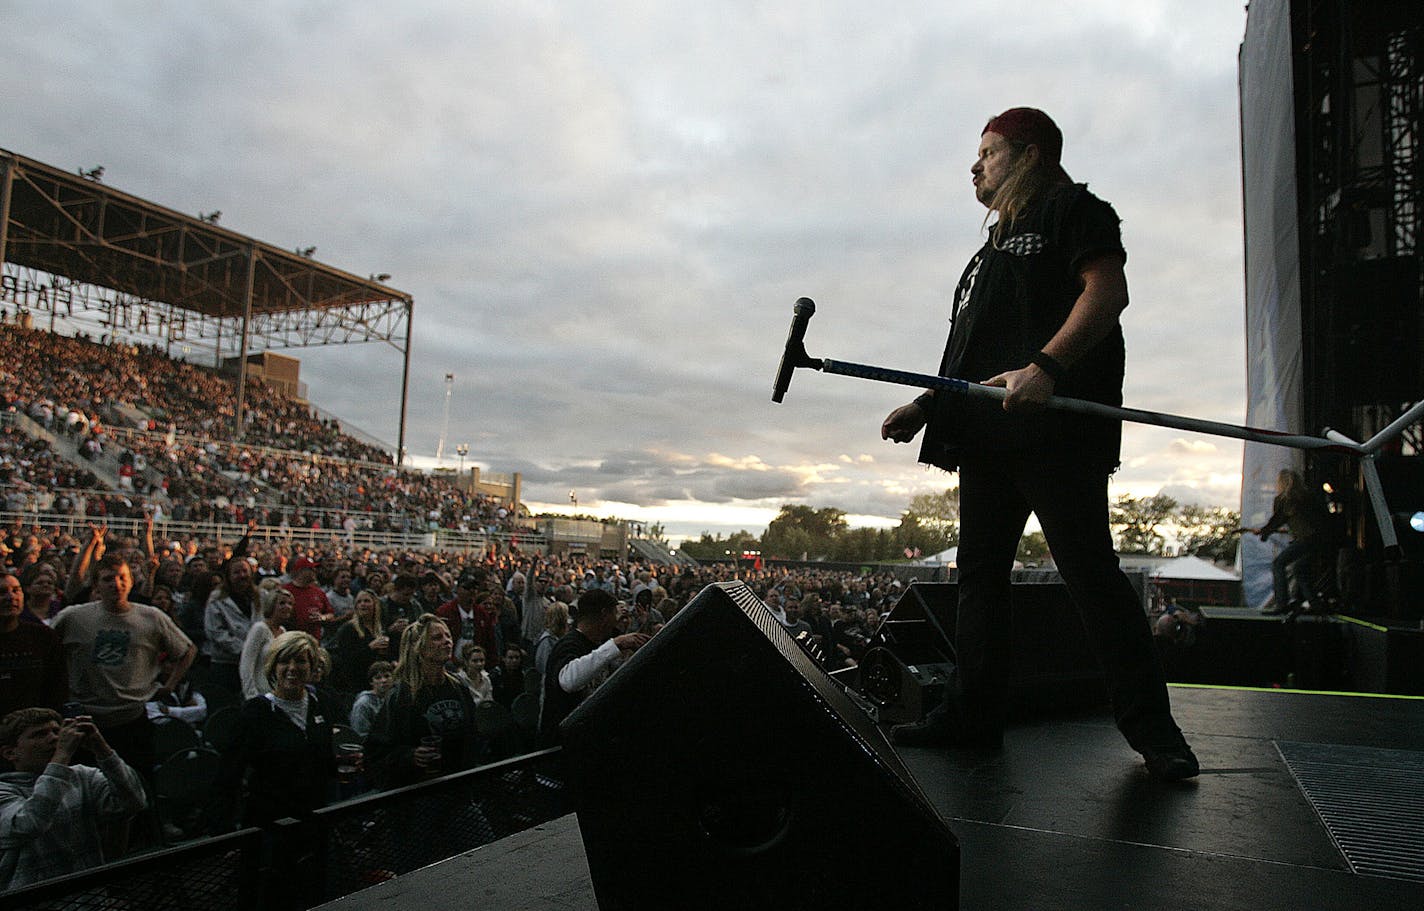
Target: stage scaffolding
[(1332, 104), (1359, 78), (78, 252)]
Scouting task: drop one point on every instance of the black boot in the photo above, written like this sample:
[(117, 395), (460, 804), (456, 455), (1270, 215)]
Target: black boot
[(1171, 762), (1164, 750)]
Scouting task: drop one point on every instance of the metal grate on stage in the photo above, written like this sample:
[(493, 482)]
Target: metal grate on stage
[(1370, 799)]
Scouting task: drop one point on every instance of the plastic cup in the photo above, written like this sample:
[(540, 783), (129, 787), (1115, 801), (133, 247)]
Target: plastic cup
[(348, 761), (432, 742)]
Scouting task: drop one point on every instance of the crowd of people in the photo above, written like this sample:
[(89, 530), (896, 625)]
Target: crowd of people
[(104, 639), (28, 463), (167, 424), (77, 379)]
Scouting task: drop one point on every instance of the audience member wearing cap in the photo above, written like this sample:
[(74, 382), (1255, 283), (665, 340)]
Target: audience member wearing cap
[(398, 608), (310, 606), (468, 615), (583, 659), (430, 593)]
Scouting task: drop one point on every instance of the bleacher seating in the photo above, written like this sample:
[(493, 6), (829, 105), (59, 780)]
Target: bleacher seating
[(292, 466)]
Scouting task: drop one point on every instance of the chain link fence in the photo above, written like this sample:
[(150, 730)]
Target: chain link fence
[(340, 850), (216, 874), (387, 834)]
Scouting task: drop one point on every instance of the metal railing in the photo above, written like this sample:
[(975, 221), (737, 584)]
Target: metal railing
[(382, 835), (340, 850), (443, 539), (216, 874)]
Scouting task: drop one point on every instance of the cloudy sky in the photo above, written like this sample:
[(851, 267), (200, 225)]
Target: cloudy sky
[(606, 211)]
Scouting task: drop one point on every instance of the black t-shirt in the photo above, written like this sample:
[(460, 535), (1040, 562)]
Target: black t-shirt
[(1012, 298), (558, 703), (444, 709), (392, 610)]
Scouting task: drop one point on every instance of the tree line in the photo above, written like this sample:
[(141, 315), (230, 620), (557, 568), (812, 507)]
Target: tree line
[(930, 524)]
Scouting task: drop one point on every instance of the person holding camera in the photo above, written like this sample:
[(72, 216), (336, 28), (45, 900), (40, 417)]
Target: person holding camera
[(51, 807)]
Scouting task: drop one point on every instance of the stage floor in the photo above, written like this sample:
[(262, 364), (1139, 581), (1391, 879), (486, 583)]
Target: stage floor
[(1065, 817)]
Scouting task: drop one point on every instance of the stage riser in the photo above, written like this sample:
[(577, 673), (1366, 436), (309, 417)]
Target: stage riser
[(1315, 653), (1054, 669)]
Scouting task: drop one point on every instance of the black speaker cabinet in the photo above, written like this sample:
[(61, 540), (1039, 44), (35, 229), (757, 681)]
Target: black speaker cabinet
[(898, 691), (720, 768), (1054, 668)]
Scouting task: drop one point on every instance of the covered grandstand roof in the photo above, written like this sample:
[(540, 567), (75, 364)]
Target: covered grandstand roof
[(73, 227), (84, 252)]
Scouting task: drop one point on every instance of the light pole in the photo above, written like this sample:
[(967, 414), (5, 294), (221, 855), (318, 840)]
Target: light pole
[(462, 450), (445, 423)]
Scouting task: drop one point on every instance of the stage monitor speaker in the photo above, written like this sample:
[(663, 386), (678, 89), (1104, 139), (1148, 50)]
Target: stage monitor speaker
[(899, 691), (720, 768), (1054, 667)]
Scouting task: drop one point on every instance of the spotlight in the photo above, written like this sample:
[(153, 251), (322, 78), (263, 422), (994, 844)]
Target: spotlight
[(1416, 521)]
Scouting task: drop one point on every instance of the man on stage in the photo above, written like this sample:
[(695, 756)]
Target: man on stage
[(1036, 311)]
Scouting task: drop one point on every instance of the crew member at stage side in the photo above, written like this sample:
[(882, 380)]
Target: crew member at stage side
[(1036, 312), (1301, 511)]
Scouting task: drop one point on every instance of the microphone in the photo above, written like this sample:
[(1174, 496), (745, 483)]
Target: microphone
[(795, 354)]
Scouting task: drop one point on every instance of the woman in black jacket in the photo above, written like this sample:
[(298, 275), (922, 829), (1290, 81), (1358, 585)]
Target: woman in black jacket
[(359, 643), (426, 726), (284, 740)]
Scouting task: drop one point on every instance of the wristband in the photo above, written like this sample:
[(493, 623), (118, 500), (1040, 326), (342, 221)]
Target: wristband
[(1050, 366), (925, 400)]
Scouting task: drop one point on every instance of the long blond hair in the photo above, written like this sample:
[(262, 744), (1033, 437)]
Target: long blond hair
[(376, 627), (412, 641), (1028, 176)]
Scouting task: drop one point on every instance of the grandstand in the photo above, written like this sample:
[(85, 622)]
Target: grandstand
[(78, 444), (102, 422)]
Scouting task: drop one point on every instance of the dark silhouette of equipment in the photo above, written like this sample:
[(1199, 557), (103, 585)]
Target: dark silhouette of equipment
[(910, 666), (722, 768)]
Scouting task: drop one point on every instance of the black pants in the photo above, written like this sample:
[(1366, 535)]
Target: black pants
[(1069, 496), (1294, 560)]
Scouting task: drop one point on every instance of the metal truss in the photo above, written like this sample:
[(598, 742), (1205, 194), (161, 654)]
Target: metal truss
[(76, 250), (1360, 98), (1359, 79), (149, 257)]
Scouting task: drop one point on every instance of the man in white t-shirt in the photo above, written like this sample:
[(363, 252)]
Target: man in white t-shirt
[(114, 650)]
